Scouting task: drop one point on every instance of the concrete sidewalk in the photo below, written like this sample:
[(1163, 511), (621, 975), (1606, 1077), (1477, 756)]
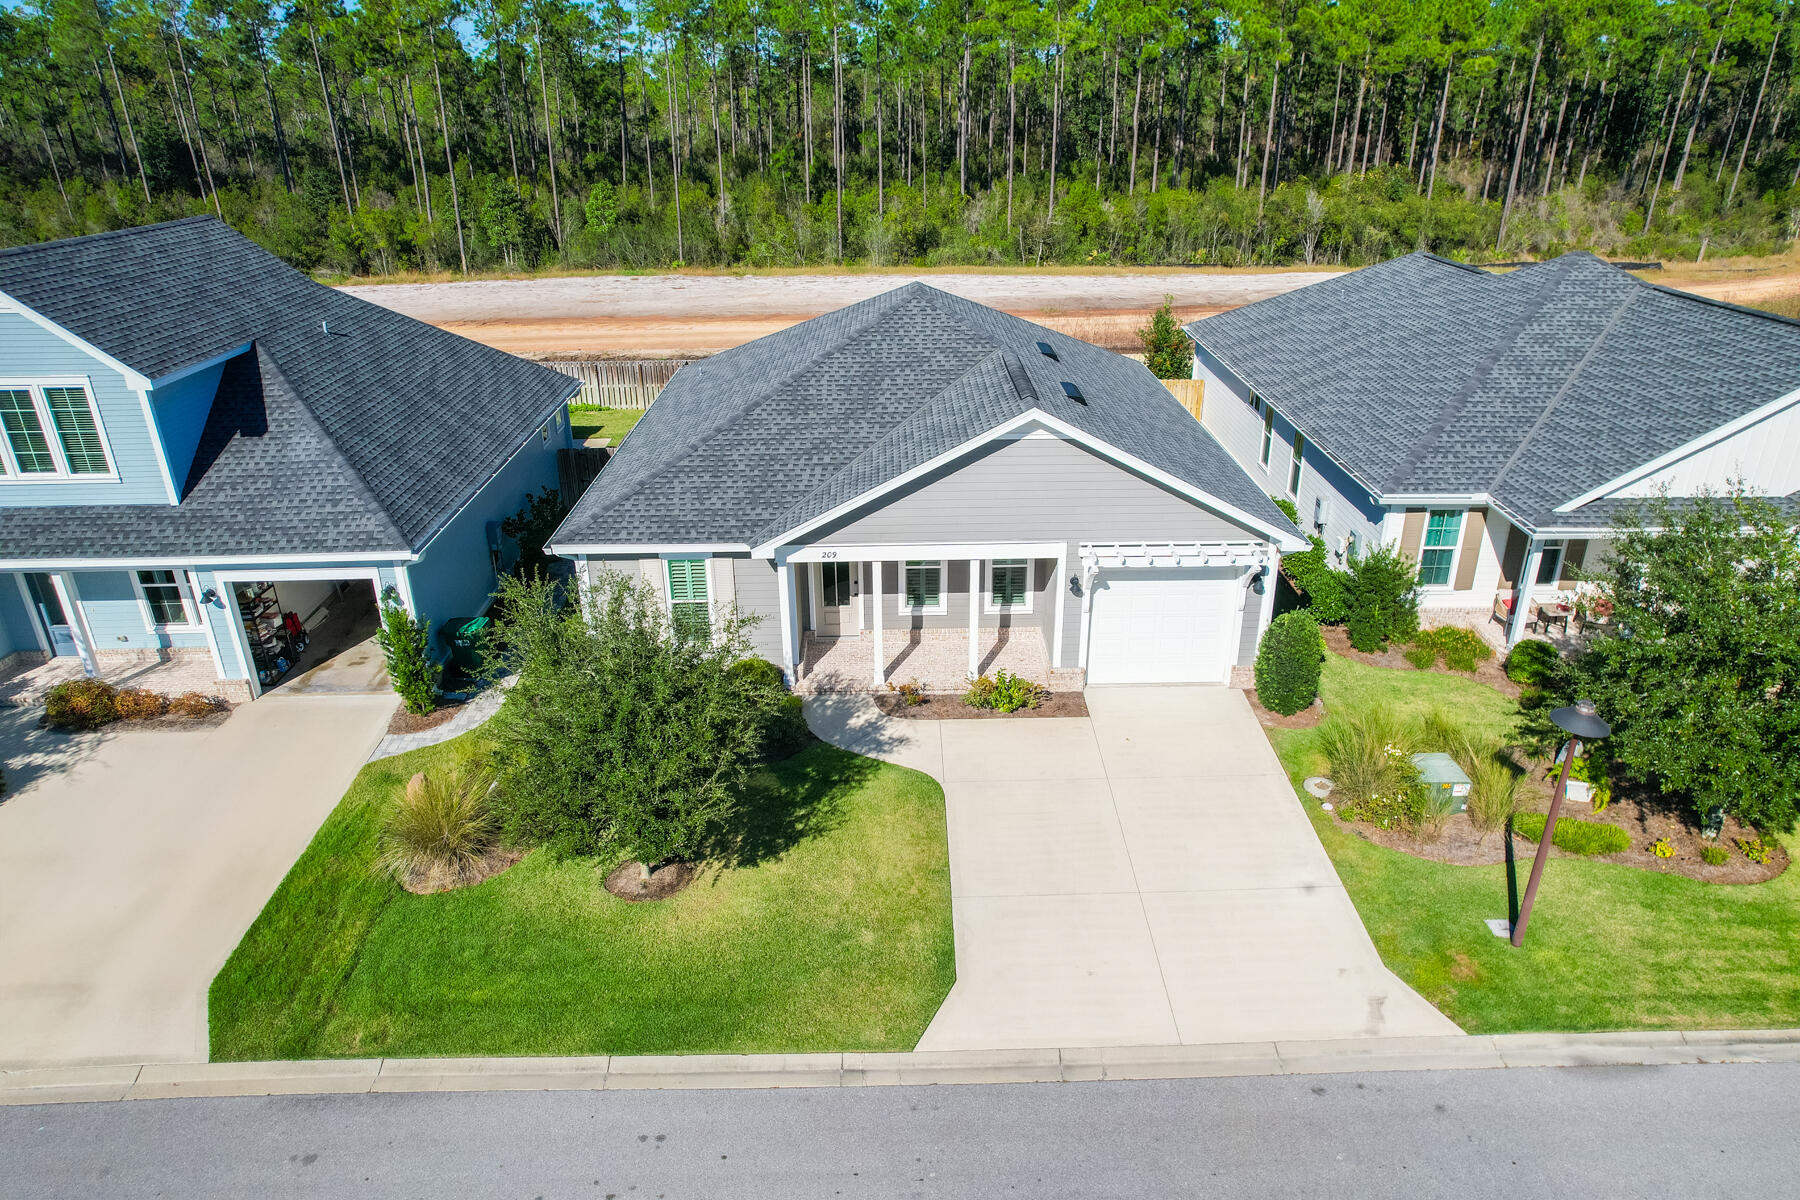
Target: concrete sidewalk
[(161, 1081)]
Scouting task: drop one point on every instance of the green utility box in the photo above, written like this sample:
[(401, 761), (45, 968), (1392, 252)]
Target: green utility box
[(467, 638), (1443, 778)]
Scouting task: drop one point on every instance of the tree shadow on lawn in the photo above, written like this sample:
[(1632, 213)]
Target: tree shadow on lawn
[(787, 802)]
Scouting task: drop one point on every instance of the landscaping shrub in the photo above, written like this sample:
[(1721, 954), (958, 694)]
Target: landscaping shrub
[(1663, 848), (441, 830), (406, 641), (531, 528), (1537, 664), (1421, 654), (1461, 648), (137, 704), (195, 705), (1756, 850), (1493, 791), (1381, 599), (1289, 662), (81, 704), (1310, 575), (784, 731), (1697, 671), (1575, 836), (911, 694), (1372, 775), (1005, 692), (1292, 512), (1714, 856), (620, 739)]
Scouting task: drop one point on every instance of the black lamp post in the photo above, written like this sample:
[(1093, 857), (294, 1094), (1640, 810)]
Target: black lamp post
[(1580, 722)]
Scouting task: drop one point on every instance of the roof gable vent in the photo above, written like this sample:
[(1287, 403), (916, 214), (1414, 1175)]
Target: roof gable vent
[(1048, 351), (1073, 392)]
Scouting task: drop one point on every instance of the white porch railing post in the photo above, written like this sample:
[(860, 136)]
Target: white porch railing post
[(974, 617), (1515, 625), (784, 585), (880, 655)]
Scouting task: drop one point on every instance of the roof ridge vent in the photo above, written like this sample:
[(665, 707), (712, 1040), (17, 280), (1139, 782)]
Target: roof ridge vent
[(1015, 372)]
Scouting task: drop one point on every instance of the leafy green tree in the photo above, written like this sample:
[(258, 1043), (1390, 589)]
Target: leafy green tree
[(1168, 351), (531, 528), (619, 739), (602, 208), (1699, 680)]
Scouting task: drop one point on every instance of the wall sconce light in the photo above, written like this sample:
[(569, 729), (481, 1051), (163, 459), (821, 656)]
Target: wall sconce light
[(1074, 585), (209, 596)]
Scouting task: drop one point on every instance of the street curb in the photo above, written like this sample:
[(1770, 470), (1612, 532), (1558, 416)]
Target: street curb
[(152, 1081)]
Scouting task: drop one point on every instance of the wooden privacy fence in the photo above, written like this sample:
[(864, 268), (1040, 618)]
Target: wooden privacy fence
[(620, 384), (1189, 391)]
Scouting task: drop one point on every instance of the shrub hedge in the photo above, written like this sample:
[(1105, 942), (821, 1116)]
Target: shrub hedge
[(1575, 836), (1289, 662)]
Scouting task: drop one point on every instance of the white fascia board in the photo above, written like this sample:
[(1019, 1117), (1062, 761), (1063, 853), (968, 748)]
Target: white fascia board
[(1680, 452), (180, 373), (133, 377), (1289, 543), (163, 561), (920, 551), (643, 549), (1472, 499)]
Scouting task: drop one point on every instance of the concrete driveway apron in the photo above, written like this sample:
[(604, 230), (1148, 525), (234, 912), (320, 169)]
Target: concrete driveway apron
[(131, 863), (1143, 876)]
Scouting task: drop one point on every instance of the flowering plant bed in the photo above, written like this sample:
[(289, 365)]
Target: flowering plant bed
[(949, 707)]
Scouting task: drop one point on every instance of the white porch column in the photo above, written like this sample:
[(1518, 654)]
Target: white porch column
[(1058, 594), (1268, 597), (70, 599), (974, 617), (1515, 627), (880, 654), (784, 589)]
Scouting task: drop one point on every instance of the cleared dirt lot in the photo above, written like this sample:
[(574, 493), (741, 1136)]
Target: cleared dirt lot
[(648, 316)]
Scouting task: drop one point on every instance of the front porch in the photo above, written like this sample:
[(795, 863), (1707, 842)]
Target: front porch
[(936, 659), (25, 677)]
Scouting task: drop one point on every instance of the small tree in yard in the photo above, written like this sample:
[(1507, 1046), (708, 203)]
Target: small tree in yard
[(1288, 663), (1167, 351), (1699, 681), (531, 528), (406, 641), (621, 739), (1381, 599)]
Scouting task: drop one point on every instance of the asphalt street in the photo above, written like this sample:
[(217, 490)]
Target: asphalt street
[(1679, 1131)]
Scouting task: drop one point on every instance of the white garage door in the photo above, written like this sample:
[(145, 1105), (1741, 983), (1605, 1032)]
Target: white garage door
[(1168, 626)]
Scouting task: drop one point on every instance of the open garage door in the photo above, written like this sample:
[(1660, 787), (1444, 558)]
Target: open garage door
[(1162, 626)]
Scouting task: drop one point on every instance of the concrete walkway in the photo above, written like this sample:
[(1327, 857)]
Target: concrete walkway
[(1141, 877), (131, 863)]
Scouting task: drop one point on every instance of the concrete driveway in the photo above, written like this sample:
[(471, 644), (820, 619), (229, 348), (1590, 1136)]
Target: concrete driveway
[(1143, 876), (131, 863)]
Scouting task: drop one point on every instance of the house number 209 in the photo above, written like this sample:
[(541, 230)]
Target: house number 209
[(828, 555)]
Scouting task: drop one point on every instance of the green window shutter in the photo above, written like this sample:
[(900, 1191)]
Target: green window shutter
[(1010, 579), (73, 416), (924, 584), (688, 609), (25, 433)]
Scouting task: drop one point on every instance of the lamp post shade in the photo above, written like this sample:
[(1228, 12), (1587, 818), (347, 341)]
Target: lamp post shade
[(1582, 721)]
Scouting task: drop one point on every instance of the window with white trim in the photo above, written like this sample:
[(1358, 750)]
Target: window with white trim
[(1437, 557), (168, 599), (31, 413), (1268, 439), (1009, 585), (1298, 463), (923, 588), (690, 613), (1549, 565)]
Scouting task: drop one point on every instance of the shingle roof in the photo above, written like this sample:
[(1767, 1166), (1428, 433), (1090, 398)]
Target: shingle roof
[(1422, 375), (750, 443), (412, 418)]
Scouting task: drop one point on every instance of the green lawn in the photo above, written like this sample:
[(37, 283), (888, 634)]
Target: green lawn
[(834, 934), (586, 421), (1609, 947)]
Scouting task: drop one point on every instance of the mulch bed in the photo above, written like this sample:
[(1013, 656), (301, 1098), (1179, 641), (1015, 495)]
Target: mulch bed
[(1394, 657), (1463, 845), (405, 722), (164, 724), (1306, 718), (494, 862), (627, 882), (951, 708)]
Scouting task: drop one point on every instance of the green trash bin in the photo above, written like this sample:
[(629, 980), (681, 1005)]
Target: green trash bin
[(467, 637)]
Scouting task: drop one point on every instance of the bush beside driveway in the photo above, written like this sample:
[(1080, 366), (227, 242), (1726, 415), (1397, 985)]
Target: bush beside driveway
[(1610, 946), (829, 930)]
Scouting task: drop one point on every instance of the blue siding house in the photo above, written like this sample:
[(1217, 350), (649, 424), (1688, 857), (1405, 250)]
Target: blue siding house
[(197, 441)]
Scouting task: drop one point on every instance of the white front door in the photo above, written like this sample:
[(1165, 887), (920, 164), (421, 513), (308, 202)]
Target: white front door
[(1161, 626), (836, 589)]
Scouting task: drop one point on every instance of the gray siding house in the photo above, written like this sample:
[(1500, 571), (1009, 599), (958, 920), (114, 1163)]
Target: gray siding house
[(1492, 426), (919, 487)]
